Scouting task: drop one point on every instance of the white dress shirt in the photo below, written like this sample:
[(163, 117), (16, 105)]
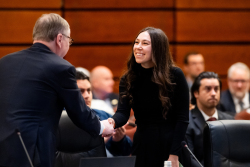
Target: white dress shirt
[(206, 117), (101, 105), (245, 101)]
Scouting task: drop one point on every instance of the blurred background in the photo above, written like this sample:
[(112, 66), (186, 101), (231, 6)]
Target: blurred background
[(104, 30)]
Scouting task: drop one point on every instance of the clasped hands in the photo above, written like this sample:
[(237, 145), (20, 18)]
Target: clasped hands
[(109, 127)]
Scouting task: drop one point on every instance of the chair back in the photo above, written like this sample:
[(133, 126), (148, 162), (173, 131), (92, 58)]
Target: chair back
[(74, 143), (227, 143)]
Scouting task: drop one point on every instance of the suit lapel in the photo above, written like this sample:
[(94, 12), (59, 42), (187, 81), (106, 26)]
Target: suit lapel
[(198, 118), (249, 97), (220, 116), (223, 116), (231, 102)]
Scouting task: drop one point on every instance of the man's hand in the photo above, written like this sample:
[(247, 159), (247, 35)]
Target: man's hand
[(108, 131)]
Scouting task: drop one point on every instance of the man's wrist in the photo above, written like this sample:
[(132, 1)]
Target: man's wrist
[(102, 129)]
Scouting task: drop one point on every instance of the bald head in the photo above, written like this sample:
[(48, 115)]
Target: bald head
[(102, 81)]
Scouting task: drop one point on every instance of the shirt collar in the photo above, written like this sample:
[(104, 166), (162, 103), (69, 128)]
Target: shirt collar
[(206, 117)]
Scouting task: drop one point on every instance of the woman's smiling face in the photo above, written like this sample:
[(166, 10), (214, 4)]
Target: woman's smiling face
[(143, 50)]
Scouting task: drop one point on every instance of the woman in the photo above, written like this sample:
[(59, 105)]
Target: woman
[(158, 93)]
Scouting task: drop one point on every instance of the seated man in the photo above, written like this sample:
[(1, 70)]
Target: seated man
[(193, 66), (102, 83), (119, 144), (236, 98), (205, 96)]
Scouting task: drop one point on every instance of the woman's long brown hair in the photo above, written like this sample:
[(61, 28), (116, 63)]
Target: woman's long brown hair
[(162, 61)]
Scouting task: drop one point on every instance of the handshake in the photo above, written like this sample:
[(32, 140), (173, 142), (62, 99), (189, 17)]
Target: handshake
[(109, 127)]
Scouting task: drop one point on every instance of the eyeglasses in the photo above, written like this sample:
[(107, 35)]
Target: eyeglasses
[(70, 39), (235, 81)]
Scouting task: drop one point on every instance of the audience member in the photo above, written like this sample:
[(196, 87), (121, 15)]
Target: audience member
[(97, 103), (102, 82), (193, 66), (205, 96), (119, 144), (236, 98)]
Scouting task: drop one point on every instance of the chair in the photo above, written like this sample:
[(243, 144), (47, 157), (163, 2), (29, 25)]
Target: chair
[(227, 143), (74, 143)]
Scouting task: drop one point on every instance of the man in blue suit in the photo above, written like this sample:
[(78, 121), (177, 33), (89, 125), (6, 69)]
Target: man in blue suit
[(205, 94), (35, 85)]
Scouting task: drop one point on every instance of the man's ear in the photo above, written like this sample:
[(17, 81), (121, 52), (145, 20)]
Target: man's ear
[(196, 94), (59, 40)]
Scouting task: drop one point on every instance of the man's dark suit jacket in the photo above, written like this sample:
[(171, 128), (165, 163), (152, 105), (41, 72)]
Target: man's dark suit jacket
[(35, 86), (194, 133), (227, 103)]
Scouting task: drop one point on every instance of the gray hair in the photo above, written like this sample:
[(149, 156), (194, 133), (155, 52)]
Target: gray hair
[(48, 26), (238, 65)]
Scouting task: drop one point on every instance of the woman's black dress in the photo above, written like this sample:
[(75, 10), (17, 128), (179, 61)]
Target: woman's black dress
[(156, 137)]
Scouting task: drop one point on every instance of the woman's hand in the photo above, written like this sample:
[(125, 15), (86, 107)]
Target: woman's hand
[(174, 159)]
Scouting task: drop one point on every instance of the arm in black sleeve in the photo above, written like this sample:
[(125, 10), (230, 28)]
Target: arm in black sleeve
[(123, 110), (180, 109)]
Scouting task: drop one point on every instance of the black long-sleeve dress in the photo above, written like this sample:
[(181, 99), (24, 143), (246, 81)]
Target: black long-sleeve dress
[(156, 137)]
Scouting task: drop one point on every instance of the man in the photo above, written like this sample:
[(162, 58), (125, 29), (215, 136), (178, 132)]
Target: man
[(236, 98), (118, 144), (205, 95), (193, 66), (103, 83), (36, 84)]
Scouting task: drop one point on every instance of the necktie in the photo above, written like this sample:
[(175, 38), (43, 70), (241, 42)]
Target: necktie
[(241, 105), (212, 119)]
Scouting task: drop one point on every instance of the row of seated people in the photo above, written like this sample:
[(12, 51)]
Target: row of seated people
[(233, 100), (209, 103)]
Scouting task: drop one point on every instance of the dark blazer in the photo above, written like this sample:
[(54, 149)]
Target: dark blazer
[(35, 86), (227, 103), (194, 133)]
